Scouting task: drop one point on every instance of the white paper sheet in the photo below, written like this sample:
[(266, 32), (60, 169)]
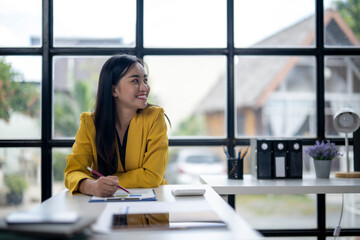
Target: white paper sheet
[(136, 195)]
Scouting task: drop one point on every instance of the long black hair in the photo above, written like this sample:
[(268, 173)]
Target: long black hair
[(105, 113)]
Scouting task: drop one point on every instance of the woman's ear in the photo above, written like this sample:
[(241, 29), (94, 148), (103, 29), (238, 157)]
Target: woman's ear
[(114, 91)]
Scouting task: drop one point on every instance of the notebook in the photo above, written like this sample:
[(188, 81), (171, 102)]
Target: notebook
[(32, 218), (53, 225)]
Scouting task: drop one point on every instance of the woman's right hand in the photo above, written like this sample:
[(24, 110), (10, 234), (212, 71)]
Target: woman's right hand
[(105, 186), (101, 187)]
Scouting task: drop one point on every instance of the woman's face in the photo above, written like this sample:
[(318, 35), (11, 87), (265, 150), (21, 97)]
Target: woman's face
[(132, 90)]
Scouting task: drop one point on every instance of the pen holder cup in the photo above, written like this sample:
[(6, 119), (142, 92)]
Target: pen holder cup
[(235, 168)]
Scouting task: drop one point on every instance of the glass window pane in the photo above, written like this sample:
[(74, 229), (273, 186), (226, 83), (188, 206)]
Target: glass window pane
[(20, 87), (20, 23), (342, 88), (350, 217), (192, 91), (186, 164), (75, 85), (20, 179), (185, 23), (82, 23), (341, 23), (277, 23), (278, 211), (276, 100), (59, 164)]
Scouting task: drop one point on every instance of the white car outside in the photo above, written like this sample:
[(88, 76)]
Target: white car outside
[(191, 163)]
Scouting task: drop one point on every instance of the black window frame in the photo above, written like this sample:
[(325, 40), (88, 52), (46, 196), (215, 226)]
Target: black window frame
[(47, 51)]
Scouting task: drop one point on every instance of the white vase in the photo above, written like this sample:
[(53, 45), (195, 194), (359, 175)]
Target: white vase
[(322, 168)]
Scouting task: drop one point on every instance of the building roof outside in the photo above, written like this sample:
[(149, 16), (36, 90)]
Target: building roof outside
[(256, 77)]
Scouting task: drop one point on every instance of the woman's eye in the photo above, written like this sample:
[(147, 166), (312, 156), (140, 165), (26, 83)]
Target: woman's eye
[(135, 81)]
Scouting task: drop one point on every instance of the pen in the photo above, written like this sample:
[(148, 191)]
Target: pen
[(226, 152), (100, 175), (243, 155)]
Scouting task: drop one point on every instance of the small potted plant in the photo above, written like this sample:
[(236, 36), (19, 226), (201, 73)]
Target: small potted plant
[(322, 153), (16, 185)]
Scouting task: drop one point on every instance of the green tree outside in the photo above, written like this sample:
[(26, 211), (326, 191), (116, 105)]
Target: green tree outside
[(16, 95), (59, 164), (69, 106), (350, 12), (192, 126)]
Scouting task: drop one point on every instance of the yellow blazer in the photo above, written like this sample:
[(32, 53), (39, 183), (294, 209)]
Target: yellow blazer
[(146, 155)]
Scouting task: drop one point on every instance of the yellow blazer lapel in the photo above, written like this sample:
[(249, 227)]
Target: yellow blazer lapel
[(120, 167), (134, 142)]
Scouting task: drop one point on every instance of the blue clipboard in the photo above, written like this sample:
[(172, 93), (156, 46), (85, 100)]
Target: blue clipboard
[(137, 195)]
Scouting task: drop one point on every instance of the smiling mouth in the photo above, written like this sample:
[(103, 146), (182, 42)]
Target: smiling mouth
[(142, 97)]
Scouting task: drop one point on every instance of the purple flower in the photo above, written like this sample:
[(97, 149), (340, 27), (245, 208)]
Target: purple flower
[(323, 151)]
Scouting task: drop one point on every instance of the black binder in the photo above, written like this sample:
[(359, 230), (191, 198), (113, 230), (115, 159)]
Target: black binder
[(356, 145), (280, 159), (295, 160), (264, 159)]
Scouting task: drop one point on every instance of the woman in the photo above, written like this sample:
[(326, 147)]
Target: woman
[(124, 139)]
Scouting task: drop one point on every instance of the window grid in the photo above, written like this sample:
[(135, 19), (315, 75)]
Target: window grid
[(47, 51)]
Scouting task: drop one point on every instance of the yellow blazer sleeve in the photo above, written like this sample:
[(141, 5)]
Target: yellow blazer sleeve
[(155, 155), (81, 156)]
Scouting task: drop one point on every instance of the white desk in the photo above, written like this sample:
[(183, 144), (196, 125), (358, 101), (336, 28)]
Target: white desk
[(308, 185), (89, 212), (228, 188)]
